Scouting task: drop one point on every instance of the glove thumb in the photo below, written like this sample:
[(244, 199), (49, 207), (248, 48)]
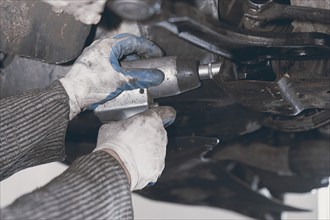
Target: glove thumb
[(166, 113)]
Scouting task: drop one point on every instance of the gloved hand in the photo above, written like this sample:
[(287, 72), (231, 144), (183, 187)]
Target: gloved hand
[(97, 76), (139, 144)]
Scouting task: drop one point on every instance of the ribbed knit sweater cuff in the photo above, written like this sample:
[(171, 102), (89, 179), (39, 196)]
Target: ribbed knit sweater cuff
[(93, 187), (32, 128)]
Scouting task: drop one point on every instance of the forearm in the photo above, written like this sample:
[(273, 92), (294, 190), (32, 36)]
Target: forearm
[(93, 187), (32, 128)]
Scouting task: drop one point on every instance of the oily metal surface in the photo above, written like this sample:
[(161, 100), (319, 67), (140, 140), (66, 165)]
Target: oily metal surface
[(285, 96), (32, 29), (290, 88), (245, 46), (307, 120), (261, 13)]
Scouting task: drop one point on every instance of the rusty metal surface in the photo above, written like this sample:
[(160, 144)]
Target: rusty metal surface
[(32, 29)]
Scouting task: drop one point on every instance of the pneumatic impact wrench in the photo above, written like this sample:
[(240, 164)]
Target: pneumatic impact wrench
[(180, 75)]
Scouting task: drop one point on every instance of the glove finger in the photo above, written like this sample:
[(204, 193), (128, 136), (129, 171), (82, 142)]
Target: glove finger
[(134, 44), (130, 45), (143, 78), (166, 113)]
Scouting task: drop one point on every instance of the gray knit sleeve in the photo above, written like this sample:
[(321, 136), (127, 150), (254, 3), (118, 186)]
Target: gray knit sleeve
[(93, 187), (32, 128)]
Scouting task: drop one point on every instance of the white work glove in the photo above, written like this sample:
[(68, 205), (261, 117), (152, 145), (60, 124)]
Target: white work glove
[(97, 76), (86, 11), (139, 144)]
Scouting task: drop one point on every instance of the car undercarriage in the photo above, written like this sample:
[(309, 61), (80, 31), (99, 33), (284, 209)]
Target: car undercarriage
[(257, 129)]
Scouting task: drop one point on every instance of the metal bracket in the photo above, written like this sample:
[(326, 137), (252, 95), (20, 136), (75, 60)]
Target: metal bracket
[(125, 105)]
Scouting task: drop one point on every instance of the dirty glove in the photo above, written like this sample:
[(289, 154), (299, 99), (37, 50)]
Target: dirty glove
[(86, 11), (97, 76), (139, 144)]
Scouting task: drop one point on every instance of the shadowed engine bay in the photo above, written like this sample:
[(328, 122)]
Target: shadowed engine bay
[(261, 123)]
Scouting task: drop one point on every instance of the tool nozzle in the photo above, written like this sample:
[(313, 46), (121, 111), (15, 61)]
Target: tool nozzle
[(207, 71)]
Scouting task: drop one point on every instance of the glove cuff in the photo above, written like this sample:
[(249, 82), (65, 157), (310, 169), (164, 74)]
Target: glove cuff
[(73, 103), (126, 159)]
